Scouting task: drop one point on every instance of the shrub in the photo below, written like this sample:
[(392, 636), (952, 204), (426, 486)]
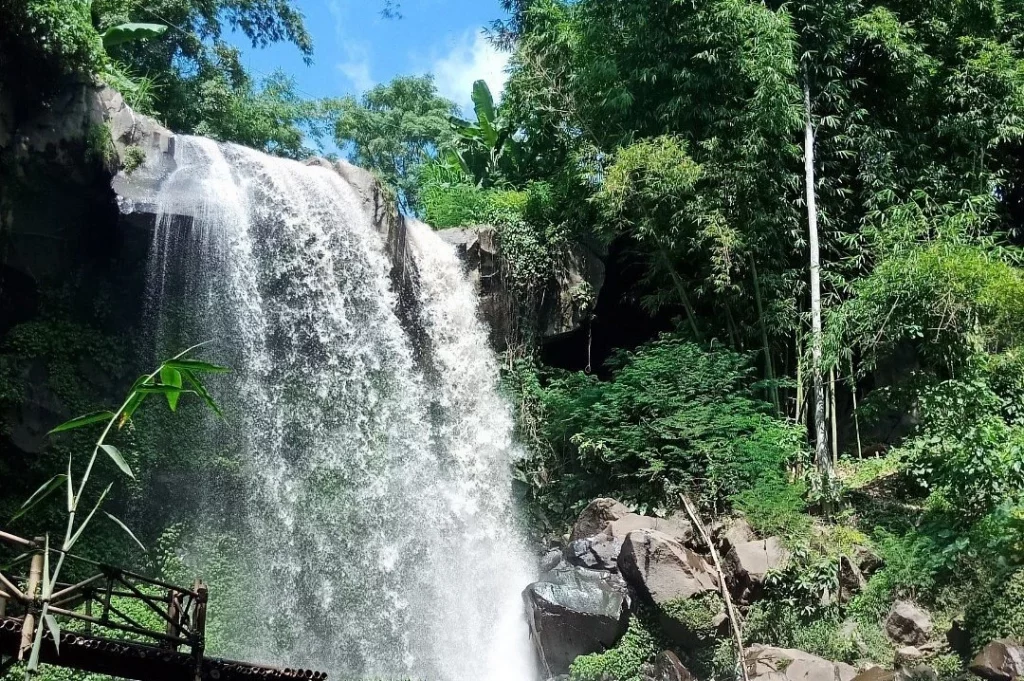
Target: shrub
[(775, 508), (995, 610), (625, 661)]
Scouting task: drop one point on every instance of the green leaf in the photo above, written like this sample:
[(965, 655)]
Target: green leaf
[(88, 419), (195, 365), (85, 523), (160, 390), (124, 33), (47, 586), (200, 390), (483, 102), (125, 528), (133, 403), (171, 377), (37, 643), (116, 457), (54, 629), (45, 490)]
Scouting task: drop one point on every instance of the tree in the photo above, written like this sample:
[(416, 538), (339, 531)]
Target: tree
[(394, 129)]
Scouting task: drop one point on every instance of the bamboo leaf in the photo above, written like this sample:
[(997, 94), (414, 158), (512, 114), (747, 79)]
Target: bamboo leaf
[(200, 390), (116, 457), (45, 490), (123, 33), (133, 403), (195, 365), (170, 376), (54, 629), (160, 390), (85, 523), (87, 420), (37, 643), (126, 529)]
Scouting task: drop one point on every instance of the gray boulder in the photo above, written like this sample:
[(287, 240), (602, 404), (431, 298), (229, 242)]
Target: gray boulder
[(766, 663), (662, 570), (597, 516), (747, 564), (1000, 660), (597, 537), (908, 624), (575, 611)]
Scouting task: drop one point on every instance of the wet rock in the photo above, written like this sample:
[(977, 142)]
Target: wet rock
[(575, 611), (1000, 660), (908, 624), (667, 667), (550, 560), (766, 663), (747, 564), (662, 570)]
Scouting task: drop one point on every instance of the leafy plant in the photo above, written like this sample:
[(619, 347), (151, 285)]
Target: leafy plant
[(173, 378)]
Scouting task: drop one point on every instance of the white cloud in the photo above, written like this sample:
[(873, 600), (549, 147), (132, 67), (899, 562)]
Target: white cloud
[(471, 58), (356, 67)]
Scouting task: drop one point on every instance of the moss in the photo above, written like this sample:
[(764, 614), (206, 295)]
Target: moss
[(625, 661), (134, 158)]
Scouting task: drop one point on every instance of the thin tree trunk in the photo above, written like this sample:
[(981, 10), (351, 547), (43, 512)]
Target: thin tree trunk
[(821, 453), (730, 611), (769, 369), (835, 416), (856, 418), (730, 325), (681, 290), (800, 397)]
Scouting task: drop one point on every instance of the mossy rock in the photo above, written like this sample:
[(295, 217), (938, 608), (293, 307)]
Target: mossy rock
[(693, 622)]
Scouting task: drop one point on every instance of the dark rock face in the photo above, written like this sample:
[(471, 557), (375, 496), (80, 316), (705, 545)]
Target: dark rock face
[(574, 611), (567, 300), (908, 624), (747, 564), (766, 663), (1000, 660)]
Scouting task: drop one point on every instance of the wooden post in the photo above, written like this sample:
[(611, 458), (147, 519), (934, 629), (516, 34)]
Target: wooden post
[(734, 621), (199, 625), (35, 575), (3, 607)]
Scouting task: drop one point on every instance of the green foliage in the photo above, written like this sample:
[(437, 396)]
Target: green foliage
[(777, 623), (134, 158), (673, 416), (696, 615), (775, 507), (994, 611), (911, 563), (625, 661), (394, 129)]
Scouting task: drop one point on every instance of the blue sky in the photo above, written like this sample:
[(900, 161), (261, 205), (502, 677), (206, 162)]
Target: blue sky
[(356, 48)]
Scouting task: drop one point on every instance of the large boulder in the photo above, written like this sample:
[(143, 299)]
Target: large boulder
[(574, 611), (766, 663), (1000, 660), (597, 537), (662, 570), (748, 563), (908, 624)]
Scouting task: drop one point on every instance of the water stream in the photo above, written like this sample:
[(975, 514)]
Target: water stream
[(375, 518)]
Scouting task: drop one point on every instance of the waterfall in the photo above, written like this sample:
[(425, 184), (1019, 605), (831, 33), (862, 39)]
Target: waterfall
[(374, 515)]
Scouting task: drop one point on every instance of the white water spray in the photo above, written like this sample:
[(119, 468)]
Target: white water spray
[(374, 446)]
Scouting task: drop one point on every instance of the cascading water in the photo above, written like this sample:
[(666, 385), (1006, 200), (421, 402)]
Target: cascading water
[(376, 523)]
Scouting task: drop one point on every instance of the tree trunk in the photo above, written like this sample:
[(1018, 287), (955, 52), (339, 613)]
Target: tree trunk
[(821, 453), (769, 369), (681, 290)]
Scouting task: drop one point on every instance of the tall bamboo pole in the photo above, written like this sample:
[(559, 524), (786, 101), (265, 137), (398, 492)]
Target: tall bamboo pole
[(821, 453), (28, 628)]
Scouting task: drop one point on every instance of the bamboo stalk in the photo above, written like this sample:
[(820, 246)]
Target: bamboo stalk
[(28, 629), (734, 621), (856, 417), (834, 416)]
